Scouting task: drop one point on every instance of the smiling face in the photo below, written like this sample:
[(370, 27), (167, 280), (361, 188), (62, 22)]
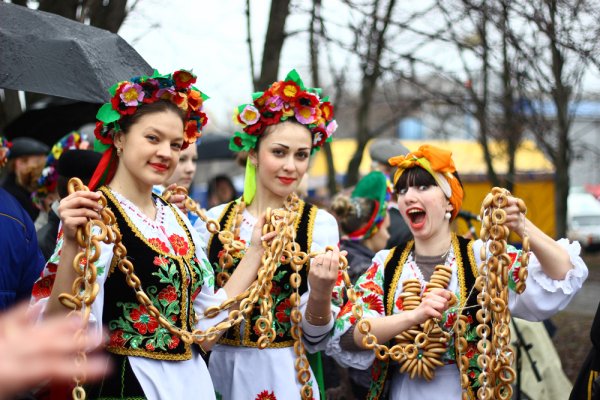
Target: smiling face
[(186, 167), (282, 159), (151, 149), (422, 204)]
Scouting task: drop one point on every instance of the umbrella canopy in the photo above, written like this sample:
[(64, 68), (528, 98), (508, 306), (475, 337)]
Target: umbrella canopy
[(49, 54), (53, 121), (214, 146)]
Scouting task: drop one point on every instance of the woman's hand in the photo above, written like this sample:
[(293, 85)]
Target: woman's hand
[(32, 353), (76, 209), (433, 304), (177, 199), (515, 219), (323, 273)]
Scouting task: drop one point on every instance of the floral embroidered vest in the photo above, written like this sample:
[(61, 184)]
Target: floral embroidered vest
[(172, 282), (281, 290), (467, 273)]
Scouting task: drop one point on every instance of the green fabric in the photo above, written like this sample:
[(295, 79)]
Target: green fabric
[(249, 182), (316, 364), (373, 186)]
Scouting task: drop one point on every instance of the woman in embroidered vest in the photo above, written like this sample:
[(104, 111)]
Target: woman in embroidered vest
[(149, 120), (282, 128), (429, 198)]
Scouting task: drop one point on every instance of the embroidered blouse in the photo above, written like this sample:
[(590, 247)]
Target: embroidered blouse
[(542, 298)]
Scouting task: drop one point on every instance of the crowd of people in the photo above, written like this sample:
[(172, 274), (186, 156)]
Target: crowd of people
[(169, 305)]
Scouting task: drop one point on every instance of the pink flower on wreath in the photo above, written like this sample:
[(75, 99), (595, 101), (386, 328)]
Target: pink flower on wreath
[(274, 103), (142, 321), (331, 127), (132, 94), (305, 115), (249, 115)]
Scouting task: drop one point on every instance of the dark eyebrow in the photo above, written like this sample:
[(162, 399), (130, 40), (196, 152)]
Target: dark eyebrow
[(288, 147), (152, 129)]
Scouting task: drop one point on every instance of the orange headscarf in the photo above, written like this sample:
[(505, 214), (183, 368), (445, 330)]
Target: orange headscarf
[(439, 164)]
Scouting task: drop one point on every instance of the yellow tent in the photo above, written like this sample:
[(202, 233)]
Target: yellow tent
[(534, 181)]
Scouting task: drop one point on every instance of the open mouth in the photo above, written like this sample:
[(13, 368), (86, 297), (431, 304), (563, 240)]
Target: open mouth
[(416, 216)]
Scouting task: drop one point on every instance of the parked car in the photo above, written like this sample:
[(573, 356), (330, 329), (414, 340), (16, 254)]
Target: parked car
[(583, 219)]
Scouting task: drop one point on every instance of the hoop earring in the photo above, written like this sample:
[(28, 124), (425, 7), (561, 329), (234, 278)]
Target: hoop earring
[(448, 215)]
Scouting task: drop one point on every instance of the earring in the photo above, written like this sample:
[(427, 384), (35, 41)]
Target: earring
[(448, 215), (119, 151)]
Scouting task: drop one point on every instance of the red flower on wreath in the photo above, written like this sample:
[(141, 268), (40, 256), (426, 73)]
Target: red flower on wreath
[(169, 294), (266, 395), (142, 321), (156, 242), (283, 311), (149, 346), (179, 244)]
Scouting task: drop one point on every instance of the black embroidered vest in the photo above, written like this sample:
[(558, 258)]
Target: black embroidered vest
[(467, 272), (170, 281), (281, 290)]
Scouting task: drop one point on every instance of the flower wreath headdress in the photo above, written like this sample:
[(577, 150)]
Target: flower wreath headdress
[(49, 178), (281, 101), (5, 146), (127, 96)]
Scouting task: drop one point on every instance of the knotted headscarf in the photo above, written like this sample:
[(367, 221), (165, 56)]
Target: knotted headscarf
[(439, 164)]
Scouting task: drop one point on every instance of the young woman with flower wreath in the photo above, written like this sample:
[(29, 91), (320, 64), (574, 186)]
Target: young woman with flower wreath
[(281, 129), (429, 198), (149, 120)]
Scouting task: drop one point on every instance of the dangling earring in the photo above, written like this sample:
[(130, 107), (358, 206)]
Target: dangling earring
[(448, 215), (119, 151)]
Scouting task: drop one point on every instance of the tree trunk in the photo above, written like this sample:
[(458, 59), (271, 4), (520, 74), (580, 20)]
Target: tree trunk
[(274, 39)]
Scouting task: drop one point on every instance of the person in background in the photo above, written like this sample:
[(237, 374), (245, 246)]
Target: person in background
[(46, 192), (587, 384), (74, 163), (220, 191), (183, 176), (25, 164), (22, 260), (364, 223), (381, 150)]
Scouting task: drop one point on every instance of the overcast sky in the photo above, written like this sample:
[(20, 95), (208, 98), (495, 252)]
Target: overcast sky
[(209, 37)]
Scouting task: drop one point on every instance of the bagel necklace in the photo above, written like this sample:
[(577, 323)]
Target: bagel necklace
[(429, 338)]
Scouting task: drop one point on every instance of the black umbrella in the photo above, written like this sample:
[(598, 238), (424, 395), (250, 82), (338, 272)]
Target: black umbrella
[(49, 54), (214, 147), (52, 121)]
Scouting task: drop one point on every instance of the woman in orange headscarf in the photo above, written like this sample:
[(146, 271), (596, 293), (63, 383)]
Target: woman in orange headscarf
[(429, 198)]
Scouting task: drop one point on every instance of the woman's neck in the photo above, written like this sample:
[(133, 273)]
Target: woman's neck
[(262, 201), (434, 245), (140, 195)]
